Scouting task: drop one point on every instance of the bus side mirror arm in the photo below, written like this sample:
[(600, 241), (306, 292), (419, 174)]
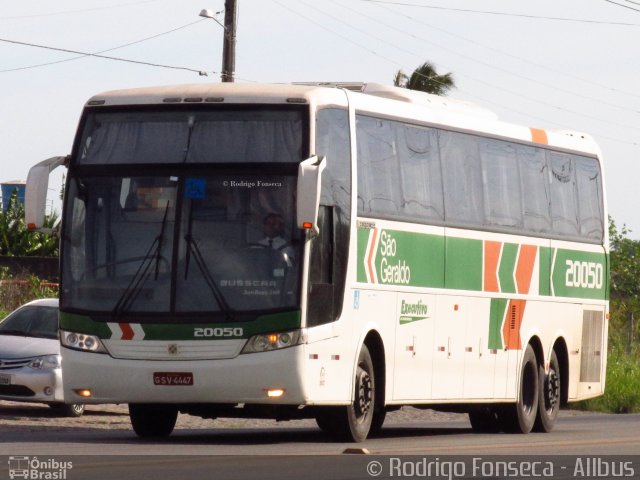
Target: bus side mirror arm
[(308, 193), (35, 198)]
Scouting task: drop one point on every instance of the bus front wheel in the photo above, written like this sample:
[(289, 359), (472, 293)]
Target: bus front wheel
[(354, 422), (152, 420)]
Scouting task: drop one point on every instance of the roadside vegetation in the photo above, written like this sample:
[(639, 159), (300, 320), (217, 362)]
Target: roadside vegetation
[(622, 390), (17, 290), (17, 241)]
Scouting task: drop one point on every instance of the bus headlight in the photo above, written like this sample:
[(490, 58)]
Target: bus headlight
[(272, 341), (81, 341)]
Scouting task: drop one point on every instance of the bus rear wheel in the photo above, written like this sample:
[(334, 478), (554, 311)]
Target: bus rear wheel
[(549, 397), (521, 417), (152, 420)]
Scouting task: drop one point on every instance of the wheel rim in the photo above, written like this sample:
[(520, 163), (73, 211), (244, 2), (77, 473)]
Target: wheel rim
[(77, 408), (364, 397)]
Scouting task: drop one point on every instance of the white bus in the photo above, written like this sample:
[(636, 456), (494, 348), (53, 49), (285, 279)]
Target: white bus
[(330, 252)]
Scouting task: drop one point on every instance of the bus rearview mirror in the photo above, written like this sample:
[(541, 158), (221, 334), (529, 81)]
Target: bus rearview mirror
[(309, 184), (35, 197)]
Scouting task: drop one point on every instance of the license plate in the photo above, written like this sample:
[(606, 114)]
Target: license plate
[(5, 379), (178, 379)]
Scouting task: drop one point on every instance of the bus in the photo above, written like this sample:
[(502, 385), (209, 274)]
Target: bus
[(328, 251)]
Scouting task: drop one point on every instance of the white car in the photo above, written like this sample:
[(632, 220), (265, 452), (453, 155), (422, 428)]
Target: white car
[(30, 369)]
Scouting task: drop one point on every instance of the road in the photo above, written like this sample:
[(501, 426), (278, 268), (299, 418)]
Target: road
[(262, 449)]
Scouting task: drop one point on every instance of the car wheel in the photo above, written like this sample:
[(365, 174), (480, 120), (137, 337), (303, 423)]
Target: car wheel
[(71, 410)]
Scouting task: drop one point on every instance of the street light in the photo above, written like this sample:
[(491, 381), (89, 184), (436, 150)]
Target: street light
[(208, 13), (229, 44)]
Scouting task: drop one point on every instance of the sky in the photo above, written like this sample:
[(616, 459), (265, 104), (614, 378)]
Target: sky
[(552, 64)]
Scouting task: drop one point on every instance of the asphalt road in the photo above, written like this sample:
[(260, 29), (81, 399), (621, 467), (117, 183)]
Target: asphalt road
[(103, 446)]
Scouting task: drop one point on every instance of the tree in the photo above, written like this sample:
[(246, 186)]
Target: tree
[(625, 263), (16, 240), (425, 79)]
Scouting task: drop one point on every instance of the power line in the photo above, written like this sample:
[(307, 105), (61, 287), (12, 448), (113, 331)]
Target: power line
[(508, 108), (527, 61), (28, 67), (498, 68), (502, 89), (105, 57), (623, 6), (487, 12), (83, 10)]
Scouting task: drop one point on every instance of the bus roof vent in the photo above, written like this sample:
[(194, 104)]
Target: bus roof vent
[(573, 133), (428, 100), (353, 86)]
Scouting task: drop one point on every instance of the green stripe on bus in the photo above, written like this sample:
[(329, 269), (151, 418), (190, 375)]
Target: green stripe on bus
[(546, 257), (579, 274), (72, 322), (497, 311), (463, 264), (363, 239), (507, 268), (435, 261), (163, 331)]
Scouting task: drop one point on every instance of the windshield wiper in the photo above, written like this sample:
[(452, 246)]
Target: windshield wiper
[(193, 249), (139, 278)]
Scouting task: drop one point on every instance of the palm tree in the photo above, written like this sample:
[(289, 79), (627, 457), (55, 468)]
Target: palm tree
[(425, 79)]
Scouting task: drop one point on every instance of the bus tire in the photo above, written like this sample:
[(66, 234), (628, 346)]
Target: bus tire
[(377, 422), (549, 397), (353, 423), (521, 416), (326, 420), (485, 419), (153, 420)]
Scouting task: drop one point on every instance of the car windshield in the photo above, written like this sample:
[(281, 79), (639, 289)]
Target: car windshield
[(32, 321)]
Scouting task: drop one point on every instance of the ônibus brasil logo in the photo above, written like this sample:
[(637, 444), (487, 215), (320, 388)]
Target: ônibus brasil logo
[(33, 468)]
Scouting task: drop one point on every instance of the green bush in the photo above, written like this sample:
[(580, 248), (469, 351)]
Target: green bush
[(622, 391), (15, 291)]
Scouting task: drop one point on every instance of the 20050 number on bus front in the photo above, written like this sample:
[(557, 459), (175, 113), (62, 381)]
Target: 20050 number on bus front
[(218, 332)]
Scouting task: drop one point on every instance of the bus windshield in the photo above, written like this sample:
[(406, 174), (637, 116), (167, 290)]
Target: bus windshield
[(214, 243), (226, 135)]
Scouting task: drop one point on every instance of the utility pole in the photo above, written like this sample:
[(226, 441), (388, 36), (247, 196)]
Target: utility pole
[(229, 46)]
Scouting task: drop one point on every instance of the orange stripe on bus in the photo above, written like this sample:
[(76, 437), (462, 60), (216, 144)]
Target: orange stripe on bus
[(491, 259), (512, 324), (539, 136), (524, 269), (371, 252), (127, 331)]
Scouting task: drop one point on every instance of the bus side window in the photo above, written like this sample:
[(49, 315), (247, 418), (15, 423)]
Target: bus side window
[(321, 284)]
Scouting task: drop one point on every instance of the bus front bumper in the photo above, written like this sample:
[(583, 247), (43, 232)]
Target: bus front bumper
[(254, 378)]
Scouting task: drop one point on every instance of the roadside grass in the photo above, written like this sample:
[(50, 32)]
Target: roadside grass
[(622, 389)]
